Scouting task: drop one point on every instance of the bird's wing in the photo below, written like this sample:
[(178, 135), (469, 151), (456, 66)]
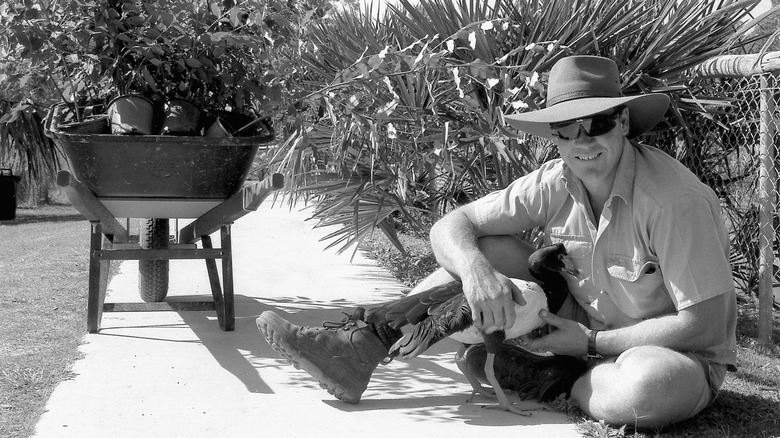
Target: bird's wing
[(412, 309), (445, 319)]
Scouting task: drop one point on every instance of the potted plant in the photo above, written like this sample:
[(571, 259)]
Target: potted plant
[(205, 58)]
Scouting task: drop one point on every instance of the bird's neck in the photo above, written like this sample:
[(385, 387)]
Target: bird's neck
[(556, 290)]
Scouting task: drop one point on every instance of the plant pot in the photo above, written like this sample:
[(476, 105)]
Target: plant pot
[(63, 115), (91, 125), (182, 117), (131, 115), (217, 130), (233, 122)]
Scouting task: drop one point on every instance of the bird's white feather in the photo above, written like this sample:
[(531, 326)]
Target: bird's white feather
[(526, 317)]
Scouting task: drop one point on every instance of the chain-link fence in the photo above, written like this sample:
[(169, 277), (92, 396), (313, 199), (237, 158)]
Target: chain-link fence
[(735, 154)]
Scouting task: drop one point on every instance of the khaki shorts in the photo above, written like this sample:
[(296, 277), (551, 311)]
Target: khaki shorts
[(715, 374)]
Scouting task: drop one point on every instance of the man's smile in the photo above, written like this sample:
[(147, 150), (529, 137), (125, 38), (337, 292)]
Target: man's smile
[(588, 157)]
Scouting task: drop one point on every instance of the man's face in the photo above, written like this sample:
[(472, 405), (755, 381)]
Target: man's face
[(594, 159)]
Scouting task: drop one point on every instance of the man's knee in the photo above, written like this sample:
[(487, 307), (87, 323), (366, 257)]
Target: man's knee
[(508, 255), (645, 387)]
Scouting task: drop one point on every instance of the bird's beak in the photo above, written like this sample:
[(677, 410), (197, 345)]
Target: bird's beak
[(569, 267)]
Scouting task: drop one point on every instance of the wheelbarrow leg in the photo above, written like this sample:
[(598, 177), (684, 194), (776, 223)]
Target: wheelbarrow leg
[(98, 278), (222, 293), (227, 278)]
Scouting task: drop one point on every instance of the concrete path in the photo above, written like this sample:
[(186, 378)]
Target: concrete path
[(175, 374)]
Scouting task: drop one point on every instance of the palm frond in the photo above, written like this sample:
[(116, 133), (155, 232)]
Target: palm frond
[(23, 146), (413, 102)]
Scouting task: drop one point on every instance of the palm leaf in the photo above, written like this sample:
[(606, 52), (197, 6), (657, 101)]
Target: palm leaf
[(415, 99), (23, 146)]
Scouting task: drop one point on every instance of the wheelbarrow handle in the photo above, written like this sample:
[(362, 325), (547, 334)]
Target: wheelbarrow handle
[(244, 201)]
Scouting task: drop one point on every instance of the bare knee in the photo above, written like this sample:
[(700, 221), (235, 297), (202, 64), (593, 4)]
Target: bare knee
[(645, 387), (508, 255)]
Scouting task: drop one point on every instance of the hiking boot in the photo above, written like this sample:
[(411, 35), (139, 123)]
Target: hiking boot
[(341, 357), (533, 376)]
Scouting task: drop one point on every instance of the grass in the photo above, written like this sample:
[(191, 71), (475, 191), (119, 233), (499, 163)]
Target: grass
[(43, 278), (749, 402)]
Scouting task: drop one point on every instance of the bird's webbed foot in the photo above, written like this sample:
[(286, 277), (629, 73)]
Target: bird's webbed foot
[(505, 405)]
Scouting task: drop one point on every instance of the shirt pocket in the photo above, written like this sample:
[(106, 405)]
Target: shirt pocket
[(638, 286)]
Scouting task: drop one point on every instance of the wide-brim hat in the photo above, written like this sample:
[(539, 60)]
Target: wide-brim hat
[(581, 86)]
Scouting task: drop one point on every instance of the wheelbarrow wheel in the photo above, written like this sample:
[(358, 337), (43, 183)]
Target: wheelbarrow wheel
[(153, 274)]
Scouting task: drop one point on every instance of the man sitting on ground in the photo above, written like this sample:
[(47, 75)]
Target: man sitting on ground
[(654, 312)]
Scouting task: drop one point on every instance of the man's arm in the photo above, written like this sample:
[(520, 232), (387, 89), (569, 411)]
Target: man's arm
[(694, 328), (489, 293)]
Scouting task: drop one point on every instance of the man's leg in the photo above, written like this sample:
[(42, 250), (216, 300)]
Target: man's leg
[(506, 254), (644, 387), (343, 358)]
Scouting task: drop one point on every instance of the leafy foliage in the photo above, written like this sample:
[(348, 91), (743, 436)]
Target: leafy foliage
[(222, 54), (240, 56), (407, 109)]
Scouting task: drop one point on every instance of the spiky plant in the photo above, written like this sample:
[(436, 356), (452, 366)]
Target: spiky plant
[(23, 146), (413, 102)]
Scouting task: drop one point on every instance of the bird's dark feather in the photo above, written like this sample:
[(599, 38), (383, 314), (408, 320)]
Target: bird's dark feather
[(546, 265), (412, 309), (443, 310), (447, 318)]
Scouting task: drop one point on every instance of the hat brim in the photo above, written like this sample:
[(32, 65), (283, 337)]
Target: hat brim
[(645, 111)]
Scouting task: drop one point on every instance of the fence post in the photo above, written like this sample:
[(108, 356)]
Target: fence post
[(767, 183)]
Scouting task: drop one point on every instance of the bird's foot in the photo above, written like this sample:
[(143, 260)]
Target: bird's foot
[(482, 390), (478, 389), (505, 405)]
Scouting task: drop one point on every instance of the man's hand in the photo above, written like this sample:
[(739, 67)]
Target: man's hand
[(491, 296), (566, 336)]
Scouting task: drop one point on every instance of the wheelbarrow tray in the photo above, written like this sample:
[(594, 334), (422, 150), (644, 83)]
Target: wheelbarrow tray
[(157, 176), (156, 166)]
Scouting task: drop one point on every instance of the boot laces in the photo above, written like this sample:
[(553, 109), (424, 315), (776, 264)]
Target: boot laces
[(352, 320), (347, 322)]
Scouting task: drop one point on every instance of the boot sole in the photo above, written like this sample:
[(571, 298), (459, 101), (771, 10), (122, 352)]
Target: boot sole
[(266, 323)]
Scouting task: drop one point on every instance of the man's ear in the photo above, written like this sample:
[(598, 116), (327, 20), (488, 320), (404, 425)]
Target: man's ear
[(623, 120)]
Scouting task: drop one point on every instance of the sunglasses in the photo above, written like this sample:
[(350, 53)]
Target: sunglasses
[(594, 126)]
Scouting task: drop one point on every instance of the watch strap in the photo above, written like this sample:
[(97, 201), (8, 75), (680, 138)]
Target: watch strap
[(592, 353)]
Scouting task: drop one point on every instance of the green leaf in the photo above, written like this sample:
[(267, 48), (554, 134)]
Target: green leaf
[(167, 18), (215, 9), (194, 63), (235, 16)]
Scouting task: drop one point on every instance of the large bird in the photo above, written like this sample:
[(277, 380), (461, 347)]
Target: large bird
[(443, 311)]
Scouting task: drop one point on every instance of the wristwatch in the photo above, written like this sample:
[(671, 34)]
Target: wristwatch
[(592, 353)]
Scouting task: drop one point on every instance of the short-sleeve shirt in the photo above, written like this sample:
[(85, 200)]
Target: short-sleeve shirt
[(660, 245)]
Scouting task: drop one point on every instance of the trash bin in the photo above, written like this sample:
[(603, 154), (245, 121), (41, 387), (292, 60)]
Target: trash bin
[(8, 184)]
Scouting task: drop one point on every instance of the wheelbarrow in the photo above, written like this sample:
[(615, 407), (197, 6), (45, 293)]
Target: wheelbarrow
[(156, 178)]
